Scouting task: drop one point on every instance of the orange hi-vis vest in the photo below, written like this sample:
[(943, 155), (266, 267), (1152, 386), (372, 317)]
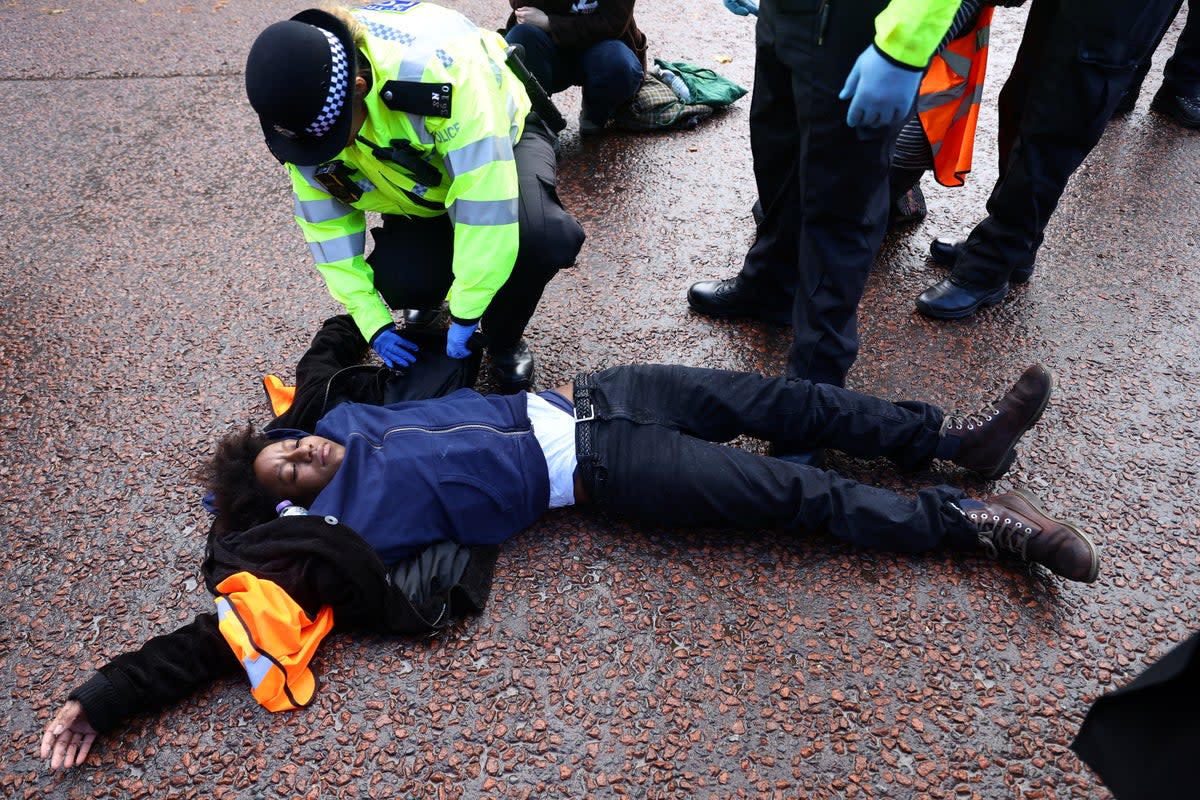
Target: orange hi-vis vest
[(948, 104), (273, 639)]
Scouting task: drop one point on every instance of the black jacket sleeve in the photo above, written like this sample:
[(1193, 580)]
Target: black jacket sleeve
[(337, 345), (164, 670)]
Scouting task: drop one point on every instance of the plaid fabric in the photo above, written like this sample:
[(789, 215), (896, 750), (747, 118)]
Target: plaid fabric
[(657, 107)]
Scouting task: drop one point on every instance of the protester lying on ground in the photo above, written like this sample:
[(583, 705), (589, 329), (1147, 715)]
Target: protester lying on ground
[(411, 111), (455, 477)]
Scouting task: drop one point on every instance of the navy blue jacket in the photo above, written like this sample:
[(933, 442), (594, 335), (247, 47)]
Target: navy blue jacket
[(464, 468)]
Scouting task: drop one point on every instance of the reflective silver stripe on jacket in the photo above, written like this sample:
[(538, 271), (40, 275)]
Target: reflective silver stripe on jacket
[(484, 212), (322, 210), (339, 249), (478, 154)]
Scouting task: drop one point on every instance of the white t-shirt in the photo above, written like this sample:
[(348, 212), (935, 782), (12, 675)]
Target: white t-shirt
[(554, 430)]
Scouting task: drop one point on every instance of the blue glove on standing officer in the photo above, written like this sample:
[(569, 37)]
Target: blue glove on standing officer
[(741, 7), (880, 91), (456, 339), (394, 349)]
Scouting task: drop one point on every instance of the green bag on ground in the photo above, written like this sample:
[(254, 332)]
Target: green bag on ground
[(655, 107), (706, 86)]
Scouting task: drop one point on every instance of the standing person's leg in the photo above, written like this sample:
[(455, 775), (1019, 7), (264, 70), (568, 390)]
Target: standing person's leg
[(1179, 95), (550, 240), (1129, 98), (843, 190), (610, 74), (767, 280), (1093, 54)]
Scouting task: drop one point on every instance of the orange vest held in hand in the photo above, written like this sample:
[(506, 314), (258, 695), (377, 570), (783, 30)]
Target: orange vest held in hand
[(948, 103)]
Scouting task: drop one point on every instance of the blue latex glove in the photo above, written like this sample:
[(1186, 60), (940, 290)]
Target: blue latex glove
[(394, 349), (456, 339), (741, 7), (882, 92)]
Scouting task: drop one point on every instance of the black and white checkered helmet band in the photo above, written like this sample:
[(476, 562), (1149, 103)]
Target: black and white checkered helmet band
[(336, 98)]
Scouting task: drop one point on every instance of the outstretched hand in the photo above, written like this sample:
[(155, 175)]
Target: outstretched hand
[(69, 736)]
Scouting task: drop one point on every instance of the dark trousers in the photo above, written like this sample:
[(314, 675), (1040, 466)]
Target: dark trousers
[(1076, 59), (652, 453), (608, 71), (413, 256), (1181, 73), (822, 184)]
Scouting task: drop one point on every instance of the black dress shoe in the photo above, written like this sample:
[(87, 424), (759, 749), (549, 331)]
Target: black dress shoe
[(944, 252), (512, 368), (1183, 109), (949, 300), (734, 298), (421, 317)]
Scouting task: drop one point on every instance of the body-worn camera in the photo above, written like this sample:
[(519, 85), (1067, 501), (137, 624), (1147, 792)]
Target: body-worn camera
[(335, 178)]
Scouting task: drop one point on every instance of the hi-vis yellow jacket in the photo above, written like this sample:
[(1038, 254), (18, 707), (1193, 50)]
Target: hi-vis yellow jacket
[(909, 31), (472, 150)]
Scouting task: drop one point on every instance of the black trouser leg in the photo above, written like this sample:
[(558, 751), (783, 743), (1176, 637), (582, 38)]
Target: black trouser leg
[(1181, 75), (769, 267), (719, 405), (1088, 59), (823, 185), (651, 457), (550, 239)]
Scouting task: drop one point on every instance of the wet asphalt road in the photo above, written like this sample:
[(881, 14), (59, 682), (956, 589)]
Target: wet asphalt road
[(152, 273)]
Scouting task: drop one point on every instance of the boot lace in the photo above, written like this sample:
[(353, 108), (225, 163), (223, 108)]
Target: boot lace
[(957, 423), (1000, 532)]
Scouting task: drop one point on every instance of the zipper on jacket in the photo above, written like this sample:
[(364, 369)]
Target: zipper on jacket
[(435, 431), (823, 14)]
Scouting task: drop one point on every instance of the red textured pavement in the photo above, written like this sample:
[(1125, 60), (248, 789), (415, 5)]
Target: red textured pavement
[(150, 273)]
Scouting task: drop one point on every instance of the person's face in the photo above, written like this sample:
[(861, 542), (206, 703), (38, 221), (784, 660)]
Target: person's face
[(298, 469)]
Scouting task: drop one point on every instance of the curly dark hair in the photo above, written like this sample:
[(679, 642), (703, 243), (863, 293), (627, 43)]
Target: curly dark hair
[(241, 500)]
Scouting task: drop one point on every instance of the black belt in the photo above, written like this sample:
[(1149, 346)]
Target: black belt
[(585, 428)]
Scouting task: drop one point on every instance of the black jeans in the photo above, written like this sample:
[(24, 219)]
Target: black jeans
[(1076, 59), (823, 186), (412, 257), (653, 455)]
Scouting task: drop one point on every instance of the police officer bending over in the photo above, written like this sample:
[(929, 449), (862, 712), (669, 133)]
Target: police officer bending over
[(410, 110)]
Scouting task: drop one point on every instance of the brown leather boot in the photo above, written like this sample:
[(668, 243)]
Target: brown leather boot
[(987, 440), (1013, 523)]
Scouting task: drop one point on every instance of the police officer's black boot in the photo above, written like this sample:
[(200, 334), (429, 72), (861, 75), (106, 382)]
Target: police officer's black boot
[(512, 367)]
